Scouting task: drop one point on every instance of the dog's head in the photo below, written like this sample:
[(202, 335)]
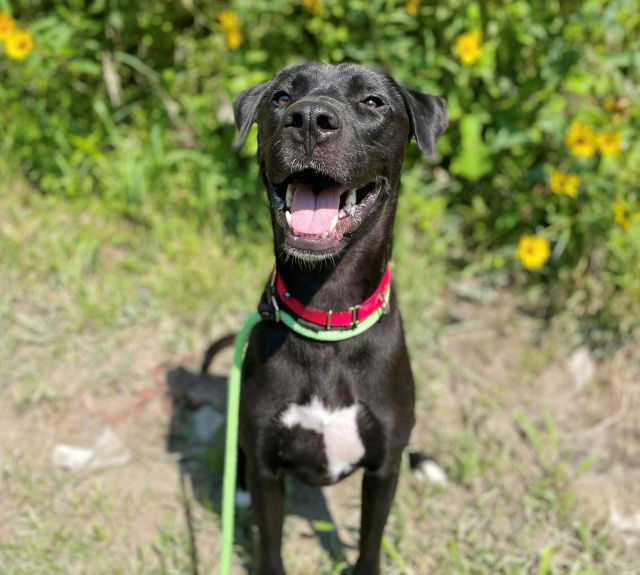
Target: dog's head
[(331, 140)]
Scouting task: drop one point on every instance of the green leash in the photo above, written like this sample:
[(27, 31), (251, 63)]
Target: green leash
[(233, 409), (231, 443)]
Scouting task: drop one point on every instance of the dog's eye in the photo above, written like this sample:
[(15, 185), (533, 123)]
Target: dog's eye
[(282, 98), (372, 102)]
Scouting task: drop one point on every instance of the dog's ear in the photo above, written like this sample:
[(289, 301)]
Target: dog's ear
[(428, 116), (245, 109)]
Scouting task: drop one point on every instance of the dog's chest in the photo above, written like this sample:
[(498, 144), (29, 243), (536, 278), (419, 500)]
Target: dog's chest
[(321, 441)]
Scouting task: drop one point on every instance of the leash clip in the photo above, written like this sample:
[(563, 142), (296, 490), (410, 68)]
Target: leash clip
[(274, 305), (272, 293), (270, 310)]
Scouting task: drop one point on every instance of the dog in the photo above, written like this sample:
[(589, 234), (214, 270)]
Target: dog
[(331, 143)]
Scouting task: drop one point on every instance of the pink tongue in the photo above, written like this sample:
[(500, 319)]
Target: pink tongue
[(311, 212)]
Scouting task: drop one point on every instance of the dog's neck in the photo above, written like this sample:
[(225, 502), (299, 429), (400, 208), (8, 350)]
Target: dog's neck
[(347, 280)]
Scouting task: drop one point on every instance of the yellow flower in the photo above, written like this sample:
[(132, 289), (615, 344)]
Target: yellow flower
[(564, 183), (582, 139), (413, 7), (617, 107), (19, 44), (620, 214), (469, 46), (533, 251), (231, 28), (7, 24), (314, 6), (609, 143)]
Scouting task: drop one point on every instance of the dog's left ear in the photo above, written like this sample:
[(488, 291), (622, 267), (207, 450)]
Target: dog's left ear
[(245, 110), (428, 116)]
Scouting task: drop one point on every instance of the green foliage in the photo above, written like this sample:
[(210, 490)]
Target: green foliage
[(131, 102)]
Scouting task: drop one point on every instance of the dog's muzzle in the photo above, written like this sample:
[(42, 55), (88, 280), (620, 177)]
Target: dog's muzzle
[(318, 213)]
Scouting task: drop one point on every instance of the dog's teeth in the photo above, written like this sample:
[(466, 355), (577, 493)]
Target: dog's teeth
[(351, 200), (287, 215), (289, 197), (332, 227), (342, 214)]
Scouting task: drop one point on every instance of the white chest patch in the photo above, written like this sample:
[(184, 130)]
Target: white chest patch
[(338, 427)]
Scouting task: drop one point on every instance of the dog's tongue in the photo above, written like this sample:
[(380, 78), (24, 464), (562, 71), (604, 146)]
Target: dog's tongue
[(312, 210)]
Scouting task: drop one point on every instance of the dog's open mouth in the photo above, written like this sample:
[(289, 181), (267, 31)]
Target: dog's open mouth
[(317, 212)]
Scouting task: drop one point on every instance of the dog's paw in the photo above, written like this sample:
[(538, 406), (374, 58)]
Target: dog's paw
[(427, 469)]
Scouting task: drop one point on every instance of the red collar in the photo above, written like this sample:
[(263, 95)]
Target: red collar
[(330, 319)]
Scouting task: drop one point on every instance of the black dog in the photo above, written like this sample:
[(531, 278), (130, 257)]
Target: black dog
[(331, 145)]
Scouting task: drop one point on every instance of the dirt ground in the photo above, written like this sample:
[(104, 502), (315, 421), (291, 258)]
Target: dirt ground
[(543, 464)]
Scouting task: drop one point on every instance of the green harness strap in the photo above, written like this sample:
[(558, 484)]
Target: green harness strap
[(233, 409)]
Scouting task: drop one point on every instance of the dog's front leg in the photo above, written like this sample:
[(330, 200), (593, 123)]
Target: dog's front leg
[(377, 496), (267, 500)]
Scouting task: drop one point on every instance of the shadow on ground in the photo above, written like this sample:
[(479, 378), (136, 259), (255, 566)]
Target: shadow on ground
[(196, 435)]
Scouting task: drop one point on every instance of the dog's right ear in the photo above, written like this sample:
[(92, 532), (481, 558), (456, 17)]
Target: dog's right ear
[(245, 110)]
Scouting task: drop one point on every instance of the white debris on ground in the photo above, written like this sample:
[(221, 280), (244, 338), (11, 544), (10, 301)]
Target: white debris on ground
[(628, 526), (621, 523), (243, 499), (108, 451), (430, 471), (206, 422), (582, 367)]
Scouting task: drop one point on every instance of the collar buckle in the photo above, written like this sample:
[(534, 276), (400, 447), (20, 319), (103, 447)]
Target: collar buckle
[(385, 300), (354, 315)]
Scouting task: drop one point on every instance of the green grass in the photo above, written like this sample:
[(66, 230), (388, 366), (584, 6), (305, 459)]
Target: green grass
[(95, 308), (100, 270)]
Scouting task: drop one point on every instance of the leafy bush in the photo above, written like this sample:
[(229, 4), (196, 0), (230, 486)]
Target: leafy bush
[(131, 102)]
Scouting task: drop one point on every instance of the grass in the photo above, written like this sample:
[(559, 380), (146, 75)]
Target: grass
[(95, 309)]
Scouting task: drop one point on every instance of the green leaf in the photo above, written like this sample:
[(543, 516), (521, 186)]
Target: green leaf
[(545, 561), (474, 160), (323, 526)]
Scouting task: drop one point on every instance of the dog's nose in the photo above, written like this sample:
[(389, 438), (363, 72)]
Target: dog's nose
[(313, 122)]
